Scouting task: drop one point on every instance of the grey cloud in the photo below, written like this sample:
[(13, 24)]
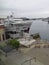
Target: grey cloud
[(30, 8)]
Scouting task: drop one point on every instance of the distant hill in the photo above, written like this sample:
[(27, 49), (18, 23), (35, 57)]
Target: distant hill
[(24, 18)]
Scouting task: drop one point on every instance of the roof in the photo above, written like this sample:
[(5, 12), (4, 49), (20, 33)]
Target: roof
[(2, 26)]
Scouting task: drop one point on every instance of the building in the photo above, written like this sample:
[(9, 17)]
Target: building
[(2, 32)]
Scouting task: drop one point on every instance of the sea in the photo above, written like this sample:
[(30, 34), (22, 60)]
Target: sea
[(41, 27)]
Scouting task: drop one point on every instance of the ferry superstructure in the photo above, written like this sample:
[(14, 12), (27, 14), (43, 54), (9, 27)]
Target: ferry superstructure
[(15, 27)]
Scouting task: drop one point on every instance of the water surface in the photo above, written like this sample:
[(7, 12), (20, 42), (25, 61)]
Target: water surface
[(40, 27)]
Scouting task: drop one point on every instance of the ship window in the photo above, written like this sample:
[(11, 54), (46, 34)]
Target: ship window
[(12, 32), (21, 25), (11, 24)]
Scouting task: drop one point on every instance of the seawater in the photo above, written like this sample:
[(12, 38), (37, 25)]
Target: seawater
[(41, 27)]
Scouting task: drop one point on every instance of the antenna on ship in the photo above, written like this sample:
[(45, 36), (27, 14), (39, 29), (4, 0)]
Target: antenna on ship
[(12, 14)]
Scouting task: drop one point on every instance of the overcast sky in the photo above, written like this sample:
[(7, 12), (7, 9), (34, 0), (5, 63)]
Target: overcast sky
[(25, 8)]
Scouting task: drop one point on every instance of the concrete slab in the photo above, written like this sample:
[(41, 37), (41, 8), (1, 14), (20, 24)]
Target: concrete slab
[(26, 42)]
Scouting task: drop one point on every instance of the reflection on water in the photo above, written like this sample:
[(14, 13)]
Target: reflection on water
[(40, 27)]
